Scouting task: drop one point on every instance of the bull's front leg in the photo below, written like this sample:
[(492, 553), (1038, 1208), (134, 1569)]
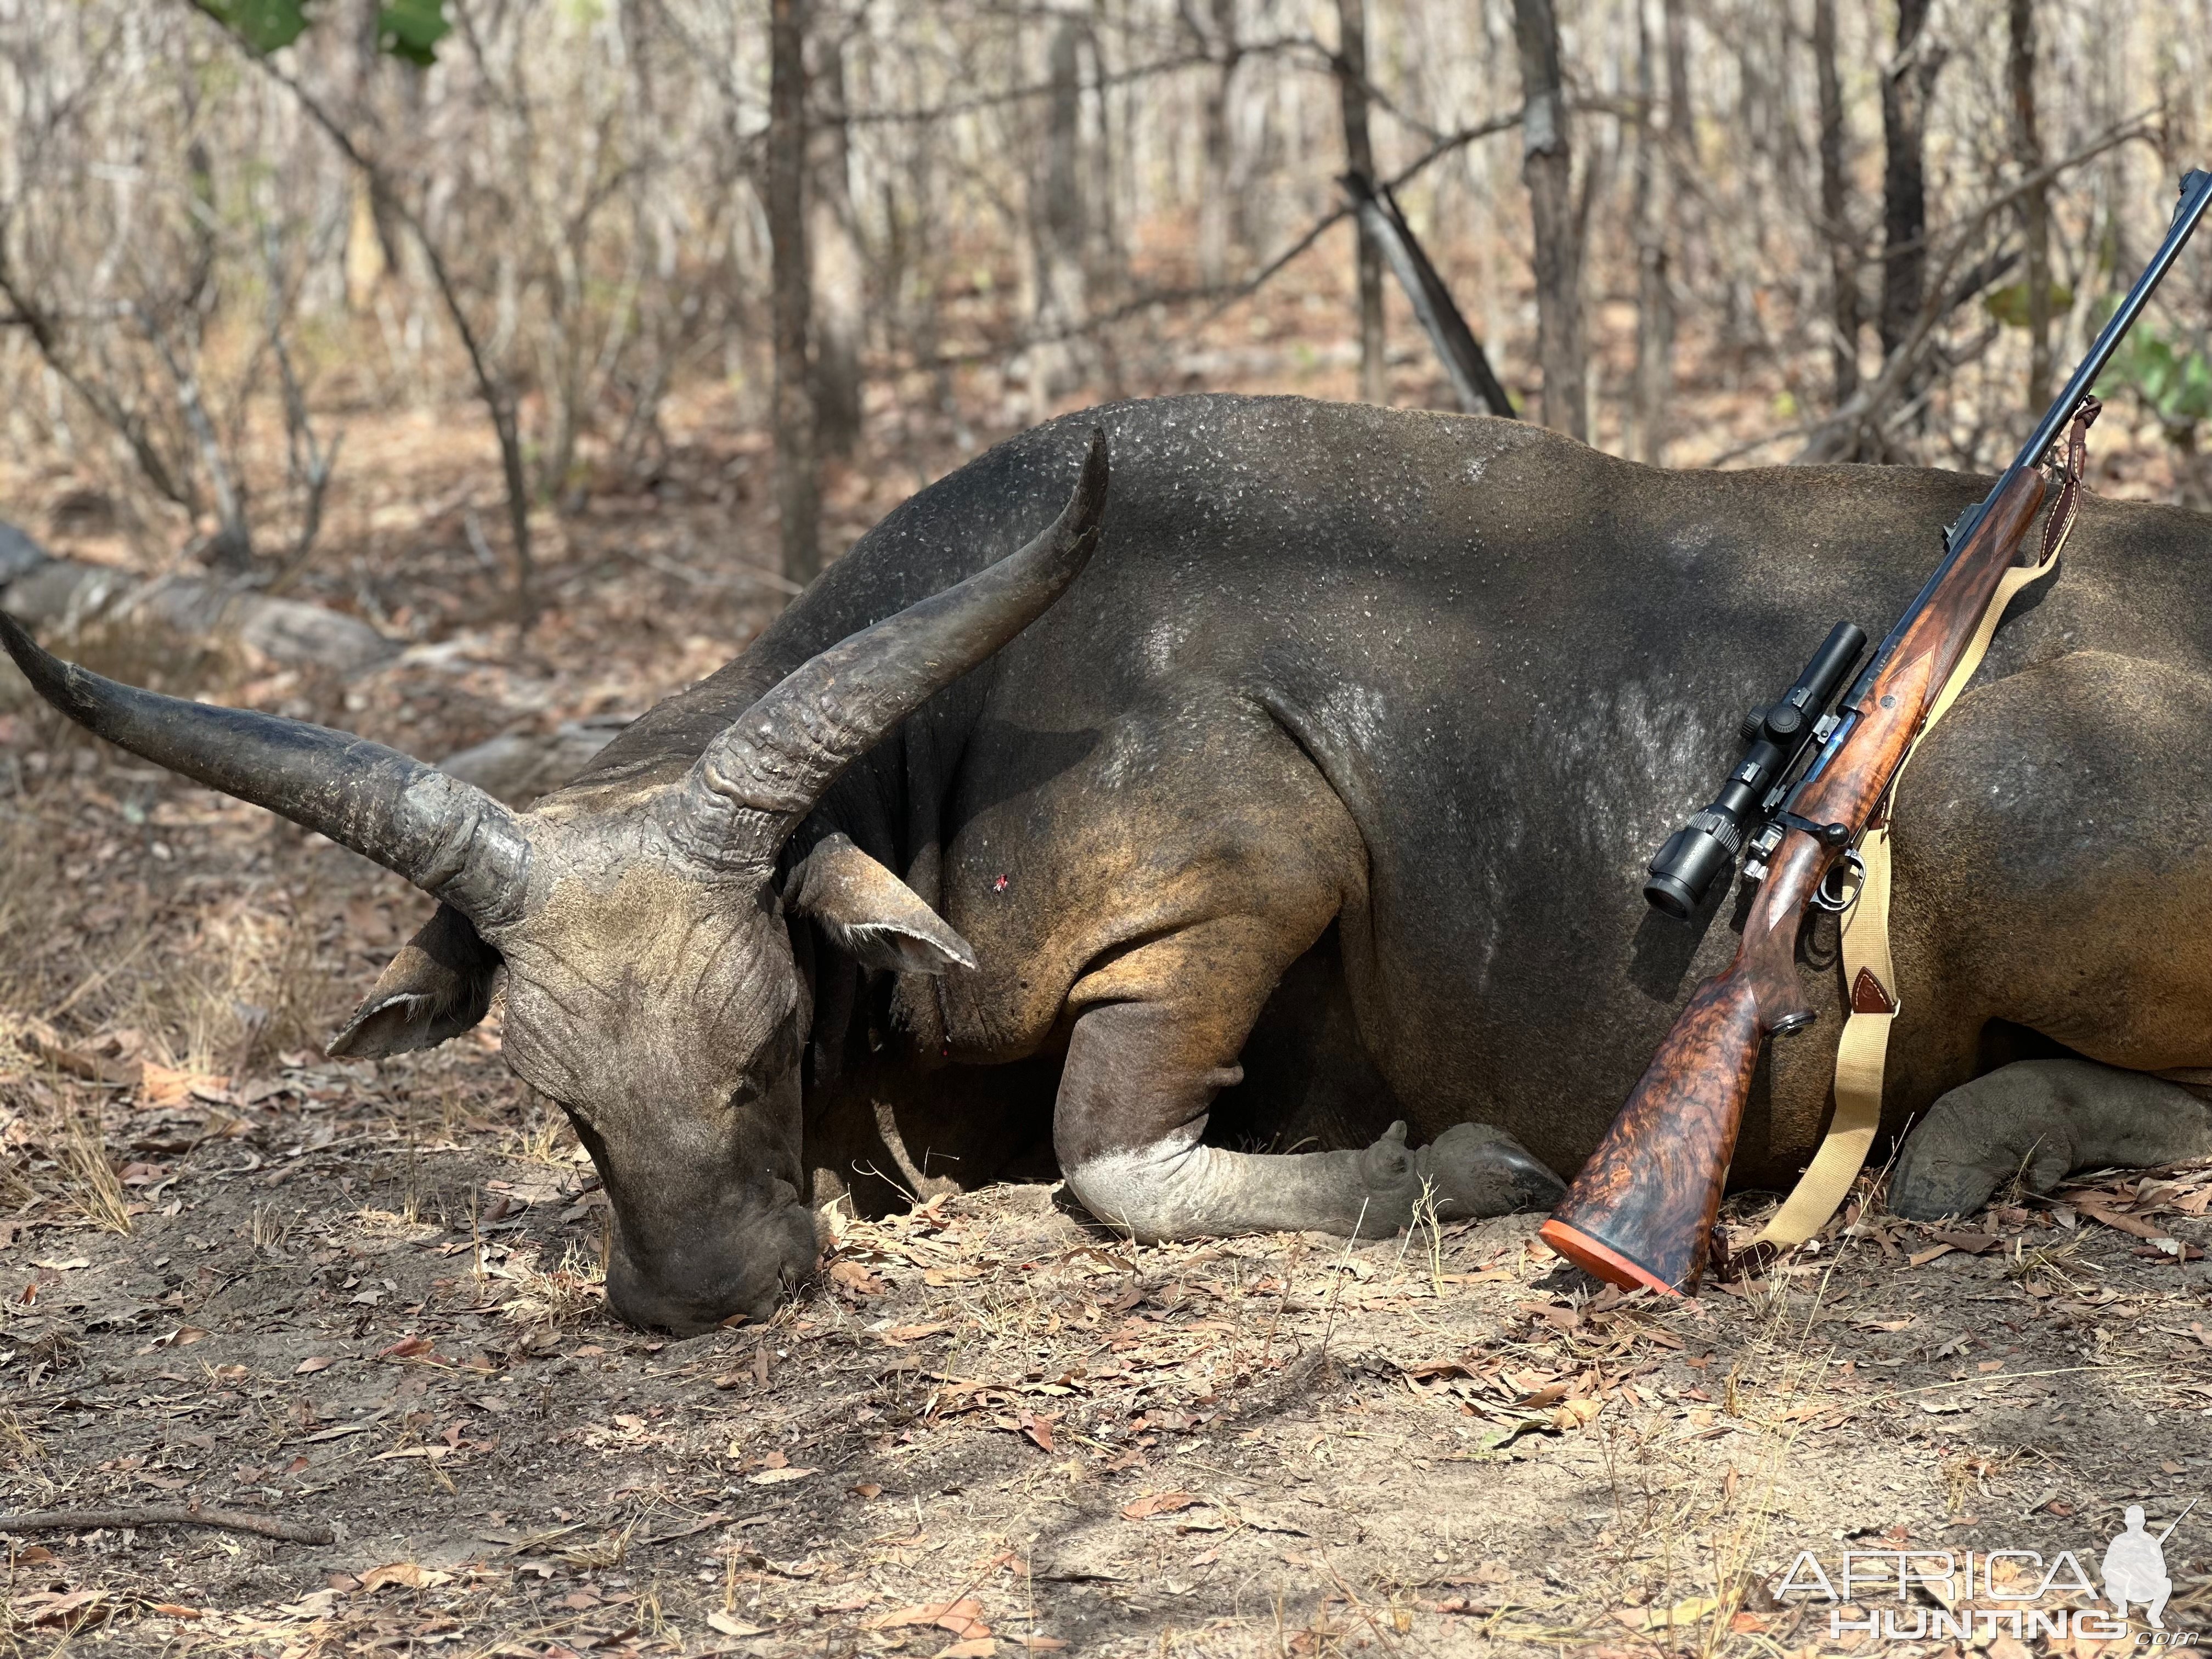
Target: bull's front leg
[(1159, 1038)]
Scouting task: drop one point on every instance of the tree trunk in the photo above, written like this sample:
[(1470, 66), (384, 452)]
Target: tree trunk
[(1835, 211), (1059, 225), (1547, 169), (798, 484), (1214, 209), (1905, 89), (1359, 158), (2034, 207), (1654, 293), (840, 321), (1102, 250)]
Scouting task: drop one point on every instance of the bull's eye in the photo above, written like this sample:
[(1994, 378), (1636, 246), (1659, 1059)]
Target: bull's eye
[(773, 1060)]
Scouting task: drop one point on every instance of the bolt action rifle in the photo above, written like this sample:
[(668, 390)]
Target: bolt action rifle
[(1643, 1209)]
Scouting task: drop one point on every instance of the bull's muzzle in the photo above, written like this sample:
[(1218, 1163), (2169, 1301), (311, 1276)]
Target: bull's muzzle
[(692, 1282)]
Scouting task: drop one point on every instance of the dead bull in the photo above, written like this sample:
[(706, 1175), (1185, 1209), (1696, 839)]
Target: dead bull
[(1319, 800)]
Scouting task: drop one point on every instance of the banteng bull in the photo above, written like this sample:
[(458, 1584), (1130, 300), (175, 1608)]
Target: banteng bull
[(1315, 801)]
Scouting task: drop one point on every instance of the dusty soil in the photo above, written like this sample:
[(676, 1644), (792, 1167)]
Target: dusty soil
[(368, 1297)]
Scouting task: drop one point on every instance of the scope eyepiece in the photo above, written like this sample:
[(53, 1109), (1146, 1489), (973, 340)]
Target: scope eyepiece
[(1682, 875)]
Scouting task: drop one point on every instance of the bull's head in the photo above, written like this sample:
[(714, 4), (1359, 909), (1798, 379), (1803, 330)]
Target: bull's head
[(651, 986)]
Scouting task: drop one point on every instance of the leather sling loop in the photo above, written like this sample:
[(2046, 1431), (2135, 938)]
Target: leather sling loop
[(1863, 1055)]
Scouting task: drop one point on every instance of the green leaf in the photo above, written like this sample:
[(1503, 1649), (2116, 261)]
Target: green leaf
[(2009, 304), (411, 29), (2174, 385), (264, 25)]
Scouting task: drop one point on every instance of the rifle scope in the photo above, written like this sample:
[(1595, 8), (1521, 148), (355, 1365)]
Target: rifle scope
[(1779, 734)]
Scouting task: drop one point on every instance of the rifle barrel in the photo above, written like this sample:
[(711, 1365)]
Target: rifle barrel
[(2177, 1520), (2195, 197)]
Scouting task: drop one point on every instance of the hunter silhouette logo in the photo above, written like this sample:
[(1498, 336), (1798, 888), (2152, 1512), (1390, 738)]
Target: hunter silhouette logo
[(2134, 1567)]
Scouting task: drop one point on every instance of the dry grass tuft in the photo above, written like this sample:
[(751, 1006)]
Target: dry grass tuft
[(94, 1190), (570, 1294), (548, 1137), (53, 1148), (20, 1450), (248, 986)]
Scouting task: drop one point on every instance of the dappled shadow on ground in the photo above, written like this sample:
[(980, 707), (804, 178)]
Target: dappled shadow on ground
[(238, 1274)]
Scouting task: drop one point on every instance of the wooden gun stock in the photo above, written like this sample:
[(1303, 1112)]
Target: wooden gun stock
[(1642, 1210)]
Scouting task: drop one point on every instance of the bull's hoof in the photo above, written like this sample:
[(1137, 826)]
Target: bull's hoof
[(1470, 1171), (2039, 1120)]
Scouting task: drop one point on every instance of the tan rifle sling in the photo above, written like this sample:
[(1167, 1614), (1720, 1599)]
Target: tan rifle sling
[(1863, 1055)]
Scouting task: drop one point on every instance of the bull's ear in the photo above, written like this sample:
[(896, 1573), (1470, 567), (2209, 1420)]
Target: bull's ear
[(437, 987), (871, 915)]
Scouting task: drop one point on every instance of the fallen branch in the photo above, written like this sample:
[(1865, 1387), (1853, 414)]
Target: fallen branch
[(168, 1515)]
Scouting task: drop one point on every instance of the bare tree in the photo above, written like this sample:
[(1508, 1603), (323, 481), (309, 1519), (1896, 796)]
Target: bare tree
[(2035, 205), (569, 215), (1216, 206), (839, 318), (1060, 220), (1906, 85), (1547, 169), (1835, 226), (1655, 288), (798, 480), (137, 332), (1359, 158), (493, 386)]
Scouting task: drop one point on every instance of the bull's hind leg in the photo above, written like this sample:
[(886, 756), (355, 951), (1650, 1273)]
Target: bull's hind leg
[(2054, 864), (1159, 1037), (2041, 1119)]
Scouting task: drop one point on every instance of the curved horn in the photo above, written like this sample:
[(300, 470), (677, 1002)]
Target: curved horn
[(772, 763), (447, 837)]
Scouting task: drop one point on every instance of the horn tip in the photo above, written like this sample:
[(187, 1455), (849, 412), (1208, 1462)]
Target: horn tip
[(1089, 500), (49, 677), (15, 637)]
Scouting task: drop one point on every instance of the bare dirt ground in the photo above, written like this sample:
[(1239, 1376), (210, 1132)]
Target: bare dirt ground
[(235, 1274), (369, 1299)]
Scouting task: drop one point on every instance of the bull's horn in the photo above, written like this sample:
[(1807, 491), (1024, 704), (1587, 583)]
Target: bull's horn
[(764, 772), (447, 837)]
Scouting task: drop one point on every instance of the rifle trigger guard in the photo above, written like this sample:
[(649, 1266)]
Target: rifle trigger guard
[(1841, 899)]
